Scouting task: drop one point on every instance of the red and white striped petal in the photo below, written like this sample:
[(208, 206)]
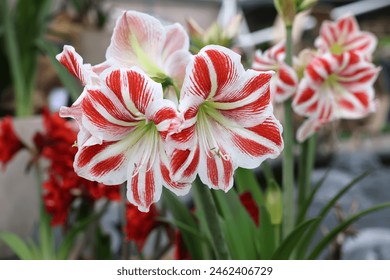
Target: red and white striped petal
[(136, 32), (345, 35), (110, 113), (285, 81), (252, 145), (74, 63), (216, 74), (270, 59), (308, 128), (106, 163), (216, 170)]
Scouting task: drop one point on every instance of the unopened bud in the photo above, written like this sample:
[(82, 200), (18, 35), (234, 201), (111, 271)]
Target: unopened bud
[(287, 10), (273, 203)]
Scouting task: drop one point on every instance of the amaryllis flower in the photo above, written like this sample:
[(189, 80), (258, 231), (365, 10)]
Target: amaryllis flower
[(335, 87), (141, 40), (139, 225), (344, 35), (10, 143), (229, 120), (284, 83), (131, 120)]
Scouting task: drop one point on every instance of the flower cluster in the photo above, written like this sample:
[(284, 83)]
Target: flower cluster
[(336, 80), (154, 115)]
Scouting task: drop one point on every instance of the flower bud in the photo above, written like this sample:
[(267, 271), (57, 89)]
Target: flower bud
[(286, 10), (273, 202), (304, 5)]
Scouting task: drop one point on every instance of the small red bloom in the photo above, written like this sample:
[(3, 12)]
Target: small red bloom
[(57, 200), (251, 207), (10, 144), (139, 224)]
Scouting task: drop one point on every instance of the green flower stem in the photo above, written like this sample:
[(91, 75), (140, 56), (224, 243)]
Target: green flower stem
[(126, 246), (203, 196), (306, 163), (13, 52), (288, 157)]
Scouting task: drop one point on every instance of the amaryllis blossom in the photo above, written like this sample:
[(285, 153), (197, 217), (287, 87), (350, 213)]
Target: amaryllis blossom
[(141, 40), (10, 143), (285, 81), (131, 120), (228, 119), (335, 87), (344, 35)]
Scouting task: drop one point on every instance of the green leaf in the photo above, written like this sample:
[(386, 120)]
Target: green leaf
[(309, 200), (333, 233), (235, 216), (46, 237), (66, 78), (310, 234), (102, 245), (68, 241), (36, 252), (182, 216), (273, 202), (17, 245), (286, 248), (266, 236), (245, 180), (210, 221)]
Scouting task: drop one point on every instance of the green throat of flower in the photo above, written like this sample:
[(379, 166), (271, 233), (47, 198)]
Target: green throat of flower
[(336, 49), (207, 113)]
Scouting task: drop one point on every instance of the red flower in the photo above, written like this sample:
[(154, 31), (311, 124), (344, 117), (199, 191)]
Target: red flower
[(97, 191), (57, 200), (139, 224), (251, 207), (9, 142)]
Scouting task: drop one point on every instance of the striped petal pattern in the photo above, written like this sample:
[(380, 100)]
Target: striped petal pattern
[(335, 87), (344, 35), (131, 120), (228, 120), (284, 83)]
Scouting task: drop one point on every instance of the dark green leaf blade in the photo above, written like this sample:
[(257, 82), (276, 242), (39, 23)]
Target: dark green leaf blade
[(286, 248), (333, 233), (183, 216)]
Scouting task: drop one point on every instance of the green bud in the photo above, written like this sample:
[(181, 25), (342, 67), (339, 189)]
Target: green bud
[(287, 10), (304, 5), (273, 202)]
